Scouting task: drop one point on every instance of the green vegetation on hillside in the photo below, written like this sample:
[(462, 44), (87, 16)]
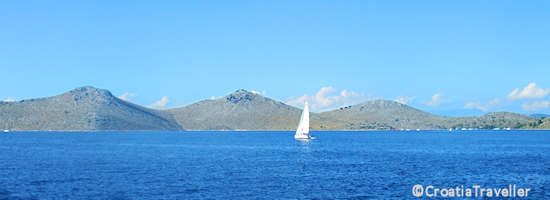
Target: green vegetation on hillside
[(543, 124)]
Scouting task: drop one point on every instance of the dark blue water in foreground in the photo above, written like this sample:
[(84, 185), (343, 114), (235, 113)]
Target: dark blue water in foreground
[(258, 165)]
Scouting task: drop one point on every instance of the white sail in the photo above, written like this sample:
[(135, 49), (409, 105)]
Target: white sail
[(302, 132)]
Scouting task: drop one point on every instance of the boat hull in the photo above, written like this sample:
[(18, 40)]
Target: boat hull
[(302, 137)]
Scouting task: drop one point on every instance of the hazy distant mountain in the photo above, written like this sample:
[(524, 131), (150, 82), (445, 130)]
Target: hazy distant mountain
[(241, 110), (84, 108)]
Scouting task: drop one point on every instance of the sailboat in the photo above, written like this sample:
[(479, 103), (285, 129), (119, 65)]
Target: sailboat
[(302, 132)]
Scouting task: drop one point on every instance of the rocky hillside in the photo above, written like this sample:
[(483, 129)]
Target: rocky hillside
[(545, 124), (84, 108), (540, 123), (244, 110), (381, 114), (384, 114), (241, 110), (490, 121), (89, 108)]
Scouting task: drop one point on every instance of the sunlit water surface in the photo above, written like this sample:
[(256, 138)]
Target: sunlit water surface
[(258, 165)]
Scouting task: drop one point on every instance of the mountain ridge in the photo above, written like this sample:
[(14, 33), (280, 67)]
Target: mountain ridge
[(240, 110), (84, 108), (89, 108)]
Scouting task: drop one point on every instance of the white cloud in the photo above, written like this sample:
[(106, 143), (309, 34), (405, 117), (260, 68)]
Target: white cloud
[(404, 100), (531, 91), (483, 107), (160, 103), (298, 102), (535, 105), (212, 98), (435, 101), (263, 93), (9, 99), (126, 96), (475, 105), (328, 98)]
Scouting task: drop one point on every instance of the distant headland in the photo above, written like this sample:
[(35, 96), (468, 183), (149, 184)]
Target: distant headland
[(90, 109)]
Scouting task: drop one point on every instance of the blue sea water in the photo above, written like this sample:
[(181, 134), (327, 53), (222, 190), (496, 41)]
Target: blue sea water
[(267, 165)]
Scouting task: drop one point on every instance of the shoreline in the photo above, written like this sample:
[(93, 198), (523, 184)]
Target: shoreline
[(431, 130)]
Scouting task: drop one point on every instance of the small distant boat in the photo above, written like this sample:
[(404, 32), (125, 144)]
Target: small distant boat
[(451, 129), (302, 132), (6, 131)]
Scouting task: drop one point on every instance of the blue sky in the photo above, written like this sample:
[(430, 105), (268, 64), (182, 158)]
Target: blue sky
[(468, 56)]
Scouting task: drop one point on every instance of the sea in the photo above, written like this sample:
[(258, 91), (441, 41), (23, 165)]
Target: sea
[(272, 165)]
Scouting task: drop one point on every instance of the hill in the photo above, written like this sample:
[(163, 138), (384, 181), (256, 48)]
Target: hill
[(241, 110), (538, 124), (545, 124), (384, 114), (89, 108), (84, 108), (381, 114), (490, 121)]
